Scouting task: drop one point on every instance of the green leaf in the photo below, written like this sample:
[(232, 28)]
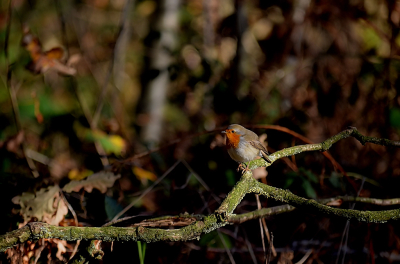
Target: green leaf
[(49, 106), (394, 117), (230, 178), (141, 251), (334, 179), (371, 39), (208, 239), (309, 189), (226, 239), (111, 143), (289, 179), (311, 176), (112, 207), (213, 240)]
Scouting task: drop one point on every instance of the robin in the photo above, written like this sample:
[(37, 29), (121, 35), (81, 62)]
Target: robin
[(243, 145)]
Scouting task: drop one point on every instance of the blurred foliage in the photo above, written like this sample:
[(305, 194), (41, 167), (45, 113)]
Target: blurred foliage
[(73, 102)]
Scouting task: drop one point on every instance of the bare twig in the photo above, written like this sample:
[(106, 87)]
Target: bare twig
[(305, 257), (266, 231), (76, 222), (270, 248), (13, 94), (232, 260), (146, 191), (200, 180), (261, 228), (250, 248)]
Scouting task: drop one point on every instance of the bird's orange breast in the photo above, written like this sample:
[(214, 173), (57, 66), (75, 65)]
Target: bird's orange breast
[(232, 140)]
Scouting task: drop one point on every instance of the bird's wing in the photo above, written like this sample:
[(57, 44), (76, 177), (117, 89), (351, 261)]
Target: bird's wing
[(258, 145)]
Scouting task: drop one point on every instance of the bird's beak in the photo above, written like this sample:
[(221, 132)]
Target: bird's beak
[(223, 132)]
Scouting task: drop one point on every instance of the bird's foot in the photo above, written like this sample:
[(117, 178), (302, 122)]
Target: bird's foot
[(243, 168)]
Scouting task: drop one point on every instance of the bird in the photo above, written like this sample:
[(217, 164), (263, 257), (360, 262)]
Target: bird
[(243, 145)]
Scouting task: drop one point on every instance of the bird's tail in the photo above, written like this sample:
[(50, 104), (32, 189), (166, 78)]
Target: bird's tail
[(265, 156)]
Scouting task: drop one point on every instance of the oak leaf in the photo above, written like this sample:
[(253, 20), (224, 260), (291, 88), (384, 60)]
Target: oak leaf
[(46, 205), (44, 60), (101, 181)]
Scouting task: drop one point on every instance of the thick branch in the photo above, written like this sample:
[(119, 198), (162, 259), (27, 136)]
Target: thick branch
[(323, 146), (265, 212), (378, 141), (236, 195), (312, 206), (315, 207), (38, 230), (383, 202)]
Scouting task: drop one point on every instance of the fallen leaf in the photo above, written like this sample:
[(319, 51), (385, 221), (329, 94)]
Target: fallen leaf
[(46, 205), (144, 175), (101, 181), (13, 143), (44, 60), (61, 249), (78, 175), (337, 202)]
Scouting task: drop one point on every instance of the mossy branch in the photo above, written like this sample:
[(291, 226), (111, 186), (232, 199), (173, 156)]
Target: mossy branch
[(224, 214), (266, 212)]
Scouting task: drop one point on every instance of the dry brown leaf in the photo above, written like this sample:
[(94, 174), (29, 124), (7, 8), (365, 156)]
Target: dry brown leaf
[(337, 202), (101, 181), (46, 205), (61, 248), (43, 61), (218, 141), (13, 143)]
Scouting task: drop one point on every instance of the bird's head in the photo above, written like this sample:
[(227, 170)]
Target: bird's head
[(233, 134)]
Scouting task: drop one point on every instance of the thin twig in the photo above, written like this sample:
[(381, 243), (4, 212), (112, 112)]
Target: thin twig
[(71, 209), (38, 251), (305, 257), (173, 142), (270, 248), (117, 51), (266, 231), (261, 228), (146, 191), (199, 179), (250, 248), (346, 230), (13, 94), (232, 260)]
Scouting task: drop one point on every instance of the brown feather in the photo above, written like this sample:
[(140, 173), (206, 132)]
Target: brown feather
[(258, 145)]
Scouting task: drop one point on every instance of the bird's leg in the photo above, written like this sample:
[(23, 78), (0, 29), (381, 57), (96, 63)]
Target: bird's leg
[(248, 165), (243, 167), (240, 167)]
